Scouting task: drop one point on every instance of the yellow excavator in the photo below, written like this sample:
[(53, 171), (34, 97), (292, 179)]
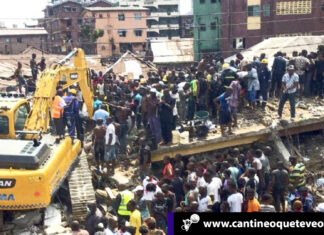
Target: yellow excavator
[(32, 170)]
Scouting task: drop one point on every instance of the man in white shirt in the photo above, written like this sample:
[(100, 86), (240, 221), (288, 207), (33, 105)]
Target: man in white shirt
[(235, 200), (110, 156), (214, 185), (289, 86), (204, 201)]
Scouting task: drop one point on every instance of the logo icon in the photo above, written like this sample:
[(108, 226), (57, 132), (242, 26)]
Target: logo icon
[(194, 219)]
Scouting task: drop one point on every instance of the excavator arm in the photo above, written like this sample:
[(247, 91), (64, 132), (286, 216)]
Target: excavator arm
[(39, 118)]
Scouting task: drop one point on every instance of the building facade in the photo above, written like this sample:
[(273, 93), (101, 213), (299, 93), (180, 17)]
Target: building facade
[(14, 41), (163, 20), (63, 23), (207, 27), (124, 28), (246, 23)]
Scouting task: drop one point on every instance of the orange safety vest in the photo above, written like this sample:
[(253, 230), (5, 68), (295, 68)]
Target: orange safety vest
[(57, 110)]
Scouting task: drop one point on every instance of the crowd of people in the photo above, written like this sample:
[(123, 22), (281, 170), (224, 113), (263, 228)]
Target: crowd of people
[(160, 102), (236, 180)]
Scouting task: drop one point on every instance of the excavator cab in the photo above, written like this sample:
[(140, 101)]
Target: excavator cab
[(13, 115)]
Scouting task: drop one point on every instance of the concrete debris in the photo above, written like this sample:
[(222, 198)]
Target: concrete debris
[(27, 219), (53, 215), (57, 229)]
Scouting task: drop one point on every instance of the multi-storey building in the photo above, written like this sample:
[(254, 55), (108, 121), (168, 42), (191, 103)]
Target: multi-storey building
[(124, 28), (207, 27), (63, 23), (246, 23), (163, 20)]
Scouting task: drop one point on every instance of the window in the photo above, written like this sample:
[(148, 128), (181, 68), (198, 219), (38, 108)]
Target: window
[(138, 32), (67, 9), (253, 10), (100, 16), (74, 9), (108, 15), (138, 16), (20, 117), (239, 43), (213, 25), (4, 125), (19, 39), (69, 22), (266, 10), (213, 1), (121, 17), (122, 33), (103, 48), (294, 8), (202, 27), (79, 21), (202, 1)]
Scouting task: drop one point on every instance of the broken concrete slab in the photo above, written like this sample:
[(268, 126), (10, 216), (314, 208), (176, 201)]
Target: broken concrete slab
[(28, 219), (53, 215), (283, 152)]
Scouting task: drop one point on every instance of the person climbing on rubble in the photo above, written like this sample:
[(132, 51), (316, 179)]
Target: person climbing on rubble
[(20, 79), (33, 67), (264, 76), (110, 148), (289, 89), (98, 142)]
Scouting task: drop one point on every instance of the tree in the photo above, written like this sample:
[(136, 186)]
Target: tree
[(91, 35)]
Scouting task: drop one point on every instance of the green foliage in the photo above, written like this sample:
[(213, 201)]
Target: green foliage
[(90, 34)]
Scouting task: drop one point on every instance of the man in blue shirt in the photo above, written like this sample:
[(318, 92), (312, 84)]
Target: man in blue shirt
[(222, 103), (101, 113), (96, 103), (71, 111)]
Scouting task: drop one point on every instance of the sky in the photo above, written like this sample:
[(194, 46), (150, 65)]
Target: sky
[(21, 9)]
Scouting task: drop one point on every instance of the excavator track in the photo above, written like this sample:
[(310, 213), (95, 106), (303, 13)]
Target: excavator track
[(81, 189)]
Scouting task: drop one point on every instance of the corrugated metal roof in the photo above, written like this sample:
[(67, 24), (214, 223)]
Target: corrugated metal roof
[(116, 8), (287, 45), (172, 51), (27, 31)]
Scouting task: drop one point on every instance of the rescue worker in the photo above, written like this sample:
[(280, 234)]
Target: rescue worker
[(71, 111), (121, 202), (228, 74), (297, 176), (57, 114), (264, 76)]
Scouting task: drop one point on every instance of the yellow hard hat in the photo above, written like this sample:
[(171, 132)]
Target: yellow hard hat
[(143, 81), (264, 61), (225, 66), (165, 78), (73, 91)]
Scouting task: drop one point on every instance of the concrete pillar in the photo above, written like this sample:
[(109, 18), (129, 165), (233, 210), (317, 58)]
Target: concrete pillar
[(282, 150)]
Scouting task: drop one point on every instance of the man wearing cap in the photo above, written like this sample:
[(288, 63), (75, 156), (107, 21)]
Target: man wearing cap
[(222, 103), (289, 87), (141, 202), (71, 110), (264, 76)]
